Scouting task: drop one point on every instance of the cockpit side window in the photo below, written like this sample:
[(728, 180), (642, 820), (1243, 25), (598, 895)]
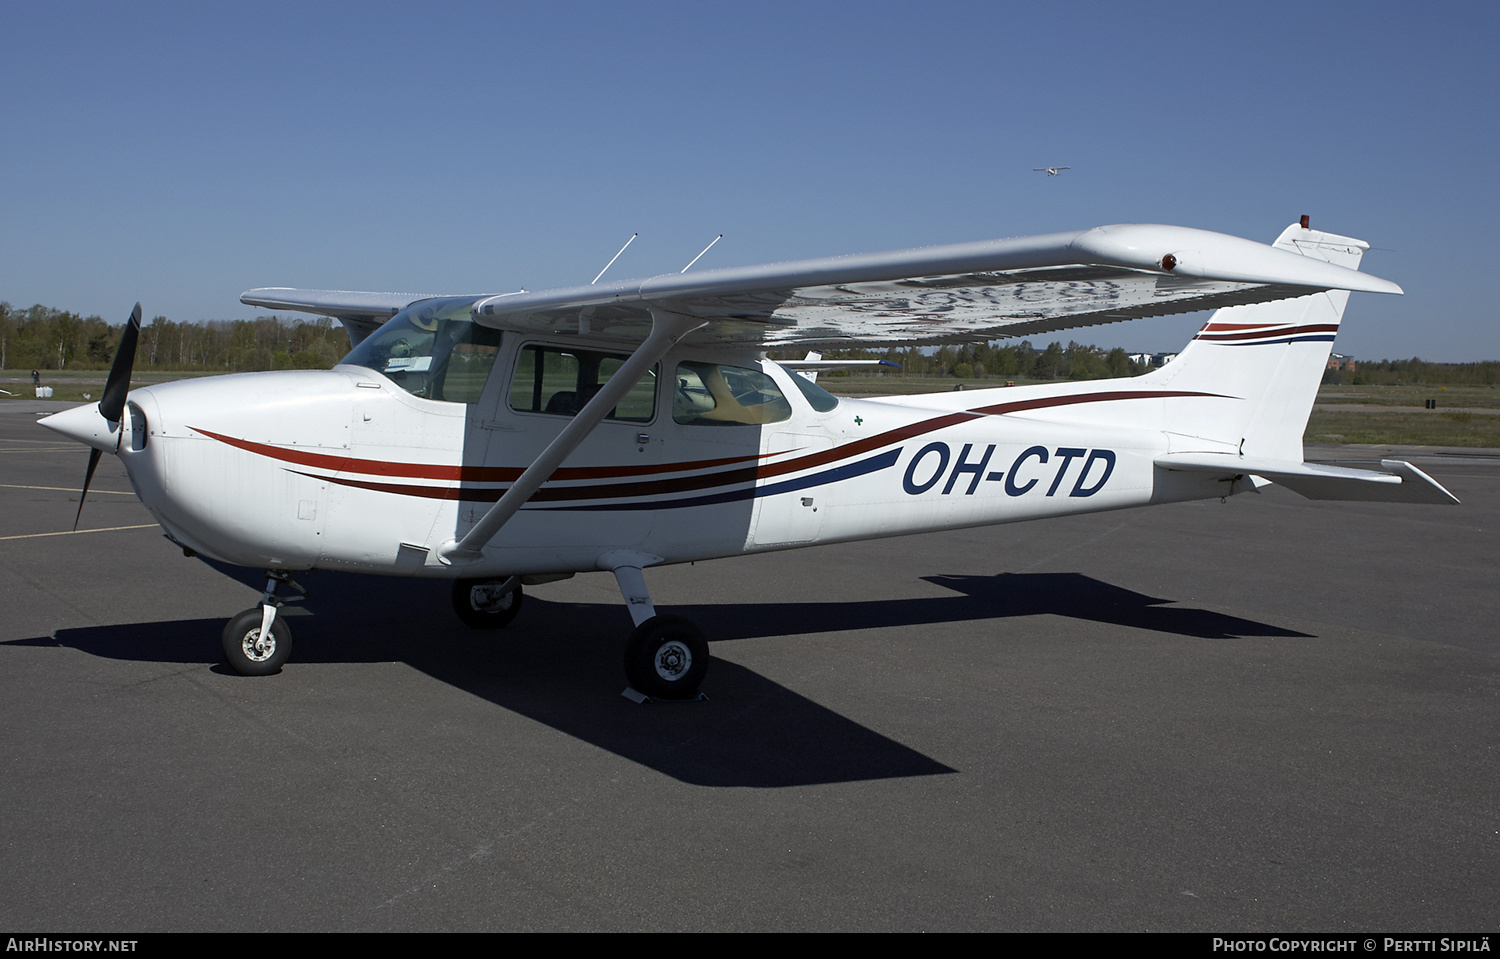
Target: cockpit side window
[(560, 381), (710, 394), (432, 349)]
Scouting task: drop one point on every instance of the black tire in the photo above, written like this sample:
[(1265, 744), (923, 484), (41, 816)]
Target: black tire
[(246, 654), (666, 658), (477, 604)]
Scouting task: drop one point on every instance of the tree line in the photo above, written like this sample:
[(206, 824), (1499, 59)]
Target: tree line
[(996, 360), (43, 338), (1415, 372)]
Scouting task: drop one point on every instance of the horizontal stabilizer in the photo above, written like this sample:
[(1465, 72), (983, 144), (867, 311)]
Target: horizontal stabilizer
[(1401, 483), (824, 365)]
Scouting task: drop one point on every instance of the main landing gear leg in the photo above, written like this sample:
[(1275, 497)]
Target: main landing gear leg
[(257, 642), (666, 656)]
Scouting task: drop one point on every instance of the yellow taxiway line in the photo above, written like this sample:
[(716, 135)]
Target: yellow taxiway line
[(77, 532)]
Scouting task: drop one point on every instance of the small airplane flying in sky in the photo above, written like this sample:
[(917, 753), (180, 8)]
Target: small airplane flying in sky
[(1050, 170), (508, 441)]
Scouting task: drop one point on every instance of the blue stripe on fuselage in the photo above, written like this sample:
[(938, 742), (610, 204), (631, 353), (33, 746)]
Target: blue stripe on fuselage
[(871, 465)]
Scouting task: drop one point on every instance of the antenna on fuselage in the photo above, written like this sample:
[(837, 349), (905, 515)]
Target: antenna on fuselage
[(613, 259), (700, 255)]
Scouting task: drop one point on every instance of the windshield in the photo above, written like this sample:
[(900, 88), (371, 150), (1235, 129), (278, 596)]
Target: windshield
[(432, 349)]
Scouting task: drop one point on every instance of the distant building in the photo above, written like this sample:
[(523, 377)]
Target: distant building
[(1152, 359), (1338, 361)]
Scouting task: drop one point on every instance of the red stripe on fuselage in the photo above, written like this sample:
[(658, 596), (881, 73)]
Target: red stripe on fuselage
[(663, 487), (1046, 402), (462, 474), (681, 484)]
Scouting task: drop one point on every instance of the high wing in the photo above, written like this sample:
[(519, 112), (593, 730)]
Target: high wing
[(968, 292), (961, 293), (361, 313)]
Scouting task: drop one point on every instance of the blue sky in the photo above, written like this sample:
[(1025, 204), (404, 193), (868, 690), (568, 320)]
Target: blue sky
[(178, 154)]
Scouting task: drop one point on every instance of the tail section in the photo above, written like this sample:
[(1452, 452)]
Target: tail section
[(1269, 356), (1261, 366), (1233, 405)]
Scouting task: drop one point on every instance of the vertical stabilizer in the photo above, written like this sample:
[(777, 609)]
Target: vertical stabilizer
[(1269, 356)]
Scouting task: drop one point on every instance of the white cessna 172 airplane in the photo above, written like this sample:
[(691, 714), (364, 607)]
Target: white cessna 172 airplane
[(507, 441)]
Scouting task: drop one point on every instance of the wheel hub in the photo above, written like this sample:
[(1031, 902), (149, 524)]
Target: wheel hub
[(672, 660), (256, 649), (491, 597)]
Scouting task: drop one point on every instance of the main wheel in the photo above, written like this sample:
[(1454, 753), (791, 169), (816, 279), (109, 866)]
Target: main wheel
[(666, 657), (250, 654), (487, 603)]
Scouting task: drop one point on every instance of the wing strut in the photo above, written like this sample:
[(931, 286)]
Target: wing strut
[(666, 329)]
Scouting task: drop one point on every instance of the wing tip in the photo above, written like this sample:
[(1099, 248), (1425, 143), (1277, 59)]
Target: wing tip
[(1206, 255)]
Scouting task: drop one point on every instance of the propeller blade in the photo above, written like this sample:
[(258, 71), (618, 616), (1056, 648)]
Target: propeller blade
[(112, 404), (87, 479)]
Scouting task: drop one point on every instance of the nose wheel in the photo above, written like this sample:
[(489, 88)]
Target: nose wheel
[(250, 649), (258, 642)]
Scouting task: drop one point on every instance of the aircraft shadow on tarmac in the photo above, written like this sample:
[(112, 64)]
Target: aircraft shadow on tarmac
[(983, 597), (552, 663)]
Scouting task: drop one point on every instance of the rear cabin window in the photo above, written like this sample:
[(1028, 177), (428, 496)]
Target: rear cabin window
[(560, 381), (709, 394), (820, 399)]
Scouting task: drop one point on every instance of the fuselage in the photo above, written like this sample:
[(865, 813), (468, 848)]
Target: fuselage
[(346, 469)]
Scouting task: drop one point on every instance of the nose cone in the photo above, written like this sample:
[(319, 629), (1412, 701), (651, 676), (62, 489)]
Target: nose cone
[(86, 425)]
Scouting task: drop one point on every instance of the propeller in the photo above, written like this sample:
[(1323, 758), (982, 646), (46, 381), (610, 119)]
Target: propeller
[(112, 403)]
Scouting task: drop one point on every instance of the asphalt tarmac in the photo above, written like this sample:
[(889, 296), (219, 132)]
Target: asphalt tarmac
[(1265, 715)]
